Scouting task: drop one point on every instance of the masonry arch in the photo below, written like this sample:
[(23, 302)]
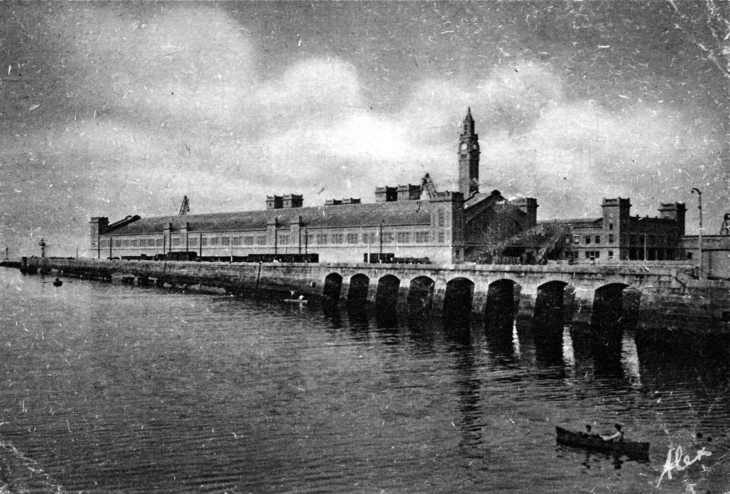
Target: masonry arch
[(386, 296), (458, 297), (550, 307), (615, 305), (332, 286), (502, 300), (358, 292), (420, 294)]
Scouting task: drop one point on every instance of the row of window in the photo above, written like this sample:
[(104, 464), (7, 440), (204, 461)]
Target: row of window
[(589, 238), (633, 239), (372, 238), (649, 239), (590, 254), (418, 237)]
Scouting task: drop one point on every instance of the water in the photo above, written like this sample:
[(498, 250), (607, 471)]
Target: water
[(112, 388)]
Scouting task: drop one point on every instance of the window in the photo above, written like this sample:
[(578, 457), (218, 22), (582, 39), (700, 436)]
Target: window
[(610, 238), (248, 240), (337, 238), (404, 237), (442, 237), (422, 237), (322, 238), (352, 238), (236, 240), (588, 240), (610, 254), (213, 240), (588, 254), (159, 242), (176, 241), (388, 237), (125, 242), (369, 238), (193, 242), (104, 243), (689, 256), (261, 240), (283, 239), (441, 218), (226, 241), (117, 243), (150, 242), (598, 239), (610, 226), (204, 242), (576, 239), (310, 238)]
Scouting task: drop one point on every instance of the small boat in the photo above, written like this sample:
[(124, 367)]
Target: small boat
[(634, 450), (57, 282), (296, 300)]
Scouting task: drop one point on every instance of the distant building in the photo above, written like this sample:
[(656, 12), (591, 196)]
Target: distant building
[(407, 221), (619, 236)]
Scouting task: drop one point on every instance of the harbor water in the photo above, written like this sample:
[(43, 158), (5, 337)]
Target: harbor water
[(116, 388)]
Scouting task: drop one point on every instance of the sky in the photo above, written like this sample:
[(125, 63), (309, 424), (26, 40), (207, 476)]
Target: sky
[(121, 108)]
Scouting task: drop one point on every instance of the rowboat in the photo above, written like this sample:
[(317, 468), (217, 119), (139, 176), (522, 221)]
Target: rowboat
[(296, 300), (634, 450)]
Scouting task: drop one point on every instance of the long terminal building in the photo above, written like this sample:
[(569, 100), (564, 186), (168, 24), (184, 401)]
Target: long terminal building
[(405, 222)]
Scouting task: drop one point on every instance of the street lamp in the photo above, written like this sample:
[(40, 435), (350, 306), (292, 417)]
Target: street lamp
[(699, 244)]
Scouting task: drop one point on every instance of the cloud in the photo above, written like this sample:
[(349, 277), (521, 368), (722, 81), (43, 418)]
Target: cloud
[(151, 106)]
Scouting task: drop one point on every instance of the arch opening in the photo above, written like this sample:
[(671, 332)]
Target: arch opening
[(386, 296), (550, 305), (420, 294), (358, 292), (458, 299), (615, 306), (332, 287), (500, 310)]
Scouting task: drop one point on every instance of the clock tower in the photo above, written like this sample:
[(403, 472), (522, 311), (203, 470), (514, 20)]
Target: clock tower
[(468, 158)]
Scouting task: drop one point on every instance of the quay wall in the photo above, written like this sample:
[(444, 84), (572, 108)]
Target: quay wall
[(667, 297)]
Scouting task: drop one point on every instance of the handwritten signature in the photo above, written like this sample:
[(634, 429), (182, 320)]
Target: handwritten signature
[(676, 462)]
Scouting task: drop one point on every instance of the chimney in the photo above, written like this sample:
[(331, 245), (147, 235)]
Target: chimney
[(274, 202)]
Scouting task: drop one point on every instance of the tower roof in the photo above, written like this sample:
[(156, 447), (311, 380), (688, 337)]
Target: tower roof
[(468, 117)]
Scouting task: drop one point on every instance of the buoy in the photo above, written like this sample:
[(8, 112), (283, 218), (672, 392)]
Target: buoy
[(57, 282)]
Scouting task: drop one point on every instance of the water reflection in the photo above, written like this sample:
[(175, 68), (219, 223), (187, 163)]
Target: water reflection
[(462, 346), (331, 312), (501, 338), (145, 387)]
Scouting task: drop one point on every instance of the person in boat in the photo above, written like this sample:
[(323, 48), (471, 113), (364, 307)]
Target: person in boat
[(616, 437), (589, 431)]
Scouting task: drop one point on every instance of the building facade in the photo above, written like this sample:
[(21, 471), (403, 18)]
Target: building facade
[(619, 236), (337, 232), (405, 221)]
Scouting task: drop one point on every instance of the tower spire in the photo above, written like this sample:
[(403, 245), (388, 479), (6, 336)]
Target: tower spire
[(468, 157)]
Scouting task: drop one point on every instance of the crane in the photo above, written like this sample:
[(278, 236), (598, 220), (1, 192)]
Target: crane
[(184, 207), (428, 186), (725, 228)]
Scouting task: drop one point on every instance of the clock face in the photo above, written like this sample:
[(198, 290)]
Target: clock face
[(475, 146), (463, 146)]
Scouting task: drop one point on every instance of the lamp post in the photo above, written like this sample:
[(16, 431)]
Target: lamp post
[(699, 240)]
